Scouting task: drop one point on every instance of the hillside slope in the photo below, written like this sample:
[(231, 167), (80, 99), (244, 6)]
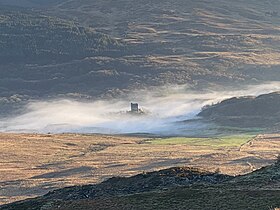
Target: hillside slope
[(232, 38), (29, 37), (261, 111), (199, 43), (216, 41), (40, 56), (258, 190)]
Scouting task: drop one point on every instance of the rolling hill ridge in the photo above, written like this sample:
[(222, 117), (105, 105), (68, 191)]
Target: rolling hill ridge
[(261, 111), (106, 49), (178, 188)]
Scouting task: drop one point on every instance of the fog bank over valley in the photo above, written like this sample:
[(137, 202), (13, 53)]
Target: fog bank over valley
[(165, 109)]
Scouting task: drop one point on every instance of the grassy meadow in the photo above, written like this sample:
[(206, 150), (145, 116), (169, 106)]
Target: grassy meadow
[(219, 141)]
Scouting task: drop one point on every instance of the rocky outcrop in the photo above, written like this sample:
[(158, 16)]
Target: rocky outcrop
[(121, 186), (175, 188), (144, 182)]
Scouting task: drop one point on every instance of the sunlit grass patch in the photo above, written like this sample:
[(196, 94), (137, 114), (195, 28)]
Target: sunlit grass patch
[(219, 141), (244, 131)]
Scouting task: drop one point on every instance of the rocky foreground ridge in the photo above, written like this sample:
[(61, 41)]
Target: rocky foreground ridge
[(180, 188)]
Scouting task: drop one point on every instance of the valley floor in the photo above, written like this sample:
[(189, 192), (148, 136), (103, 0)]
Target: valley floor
[(33, 164)]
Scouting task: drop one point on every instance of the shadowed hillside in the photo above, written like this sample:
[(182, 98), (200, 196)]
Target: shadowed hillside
[(40, 56), (202, 44), (28, 37), (258, 190), (261, 111)]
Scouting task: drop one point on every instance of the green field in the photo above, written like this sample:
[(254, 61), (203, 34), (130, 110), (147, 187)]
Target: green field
[(219, 141)]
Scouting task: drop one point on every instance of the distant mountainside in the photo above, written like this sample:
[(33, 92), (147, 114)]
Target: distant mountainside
[(175, 188), (40, 56), (261, 111), (31, 38), (199, 43), (31, 3)]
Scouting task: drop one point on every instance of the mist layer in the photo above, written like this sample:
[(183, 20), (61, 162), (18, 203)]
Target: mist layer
[(164, 108)]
